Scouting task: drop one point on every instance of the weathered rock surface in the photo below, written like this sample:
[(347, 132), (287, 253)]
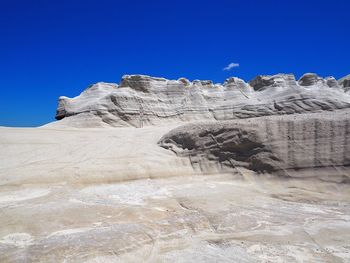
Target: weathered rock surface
[(113, 195), (209, 194), (142, 100), (274, 144), (180, 219), (345, 83)]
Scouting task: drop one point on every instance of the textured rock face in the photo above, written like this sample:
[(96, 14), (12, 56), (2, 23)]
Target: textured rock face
[(310, 79), (142, 100), (202, 188), (268, 144), (332, 82), (279, 80), (345, 83)]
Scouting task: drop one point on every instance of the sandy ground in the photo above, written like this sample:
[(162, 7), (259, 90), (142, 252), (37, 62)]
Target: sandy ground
[(113, 195)]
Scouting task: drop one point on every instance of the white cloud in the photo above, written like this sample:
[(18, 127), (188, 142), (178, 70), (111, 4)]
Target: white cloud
[(231, 66)]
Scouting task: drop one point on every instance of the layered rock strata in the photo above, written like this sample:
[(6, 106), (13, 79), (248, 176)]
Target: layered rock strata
[(275, 144), (142, 100)]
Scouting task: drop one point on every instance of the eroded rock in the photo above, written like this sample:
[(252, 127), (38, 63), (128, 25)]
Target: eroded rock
[(141, 100), (270, 144)]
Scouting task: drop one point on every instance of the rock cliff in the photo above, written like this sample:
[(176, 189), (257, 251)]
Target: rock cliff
[(141, 100), (275, 144)]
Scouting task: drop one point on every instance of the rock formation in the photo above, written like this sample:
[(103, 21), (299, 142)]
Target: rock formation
[(143, 101), (276, 144), (292, 125), (345, 83), (213, 175)]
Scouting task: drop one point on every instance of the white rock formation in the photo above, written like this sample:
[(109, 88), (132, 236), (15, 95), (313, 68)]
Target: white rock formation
[(198, 184), (142, 100), (286, 145), (113, 195), (345, 83)]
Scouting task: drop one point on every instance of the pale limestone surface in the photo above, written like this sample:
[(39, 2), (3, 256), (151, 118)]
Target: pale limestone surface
[(216, 218), (103, 194), (287, 145), (345, 83), (70, 195), (144, 101)]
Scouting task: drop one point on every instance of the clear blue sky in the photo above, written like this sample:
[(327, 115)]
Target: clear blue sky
[(52, 48)]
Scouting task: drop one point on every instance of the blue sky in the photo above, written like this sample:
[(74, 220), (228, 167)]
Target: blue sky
[(52, 48)]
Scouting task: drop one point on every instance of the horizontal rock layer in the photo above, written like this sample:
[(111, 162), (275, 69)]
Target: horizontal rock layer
[(269, 144), (142, 100)]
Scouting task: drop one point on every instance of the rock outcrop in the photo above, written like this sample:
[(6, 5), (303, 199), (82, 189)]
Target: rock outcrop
[(143, 100), (345, 83), (274, 144), (311, 79), (199, 184)]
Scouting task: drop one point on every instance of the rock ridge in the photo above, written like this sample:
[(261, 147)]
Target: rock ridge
[(141, 100)]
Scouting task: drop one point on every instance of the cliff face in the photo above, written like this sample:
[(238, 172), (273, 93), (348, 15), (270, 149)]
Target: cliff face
[(276, 144), (143, 101)]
